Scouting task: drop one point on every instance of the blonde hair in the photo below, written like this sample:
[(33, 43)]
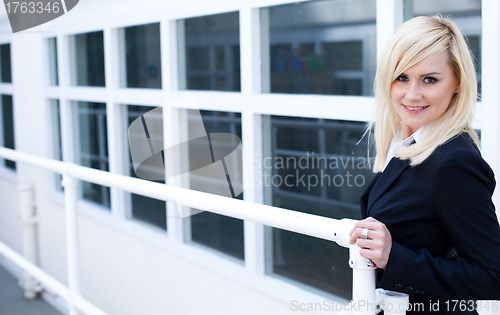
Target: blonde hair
[(415, 40)]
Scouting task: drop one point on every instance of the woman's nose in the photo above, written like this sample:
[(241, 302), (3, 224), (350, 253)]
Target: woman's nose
[(413, 92)]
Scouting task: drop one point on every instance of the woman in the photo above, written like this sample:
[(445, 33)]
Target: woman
[(431, 226)]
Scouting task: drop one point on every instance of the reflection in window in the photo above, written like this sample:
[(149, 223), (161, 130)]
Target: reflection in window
[(53, 67), (92, 147), (315, 167), (145, 209), (219, 232), (56, 138), (142, 56), (88, 59), (212, 52), (7, 130), (5, 64), (466, 14), (319, 47)]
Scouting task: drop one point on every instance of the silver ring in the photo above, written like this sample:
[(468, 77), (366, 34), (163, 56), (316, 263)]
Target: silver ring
[(364, 234), (370, 263)]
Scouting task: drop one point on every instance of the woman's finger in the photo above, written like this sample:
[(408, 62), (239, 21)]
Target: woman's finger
[(357, 234), (364, 243), (369, 223)]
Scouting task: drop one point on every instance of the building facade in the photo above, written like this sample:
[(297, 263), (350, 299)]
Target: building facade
[(293, 80)]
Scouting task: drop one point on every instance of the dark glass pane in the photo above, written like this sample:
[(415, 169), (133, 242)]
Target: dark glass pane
[(236, 77), (143, 56), (5, 64), (57, 140), (8, 127), (149, 210), (88, 53), (315, 167), (53, 65), (219, 232), (474, 42), (212, 52), (92, 149), (145, 209), (466, 14), (320, 47), (57, 123)]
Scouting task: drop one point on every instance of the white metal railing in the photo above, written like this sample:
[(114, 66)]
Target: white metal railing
[(321, 227)]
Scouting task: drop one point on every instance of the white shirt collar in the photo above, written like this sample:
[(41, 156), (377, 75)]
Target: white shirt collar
[(397, 143), (417, 136)]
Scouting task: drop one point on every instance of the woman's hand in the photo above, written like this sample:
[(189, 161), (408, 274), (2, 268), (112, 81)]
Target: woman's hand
[(377, 246)]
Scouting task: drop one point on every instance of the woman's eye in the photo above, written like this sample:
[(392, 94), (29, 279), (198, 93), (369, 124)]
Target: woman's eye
[(430, 80), (402, 78)]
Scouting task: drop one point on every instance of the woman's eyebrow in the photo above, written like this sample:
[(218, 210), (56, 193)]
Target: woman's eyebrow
[(430, 73)]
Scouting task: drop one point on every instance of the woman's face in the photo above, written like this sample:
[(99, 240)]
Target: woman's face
[(423, 92)]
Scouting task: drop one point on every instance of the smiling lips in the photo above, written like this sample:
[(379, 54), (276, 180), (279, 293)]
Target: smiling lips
[(415, 109)]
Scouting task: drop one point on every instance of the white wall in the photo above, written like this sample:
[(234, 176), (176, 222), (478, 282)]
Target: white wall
[(126, 276), (10, 231)]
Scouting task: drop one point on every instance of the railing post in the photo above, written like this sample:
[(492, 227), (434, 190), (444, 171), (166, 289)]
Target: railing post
[(70, 185), (363, 283), (28, 220)]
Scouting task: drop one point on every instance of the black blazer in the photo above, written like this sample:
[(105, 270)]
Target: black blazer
[(446, 237)]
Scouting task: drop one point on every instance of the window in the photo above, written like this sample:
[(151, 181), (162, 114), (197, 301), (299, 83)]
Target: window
[(53, 66), (88, 59), (5, 64), (314, 166), (148, 210), (222, 177), (7, 136), (91, 147), (56, 138), (210, 46), (466, 14), (142, 56), (319, 47)]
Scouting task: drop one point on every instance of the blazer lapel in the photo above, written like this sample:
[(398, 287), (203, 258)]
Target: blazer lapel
[(366, 194), (393, 170)]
